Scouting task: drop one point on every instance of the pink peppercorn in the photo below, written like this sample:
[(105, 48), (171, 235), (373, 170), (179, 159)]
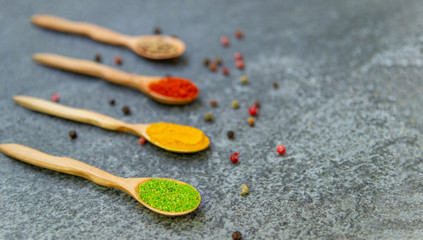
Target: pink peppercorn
[(224, 41), (238, 56), (55, 97), (253, 110), (240, 64), (281, 149), (142, 141), (234, 157), (239, 34), (213, 66), (225, 71)]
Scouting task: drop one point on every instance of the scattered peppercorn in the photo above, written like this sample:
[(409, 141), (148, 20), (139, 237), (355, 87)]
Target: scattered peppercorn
[(142, 141), (224, 41), (244, 79), (218, 61), (230, 134), (244, 189), (157, 30), (213, 66), (126, 110), (239, 34), (234, 157), (112, 102), (206, 62), (238, 56), (208, 117), (225, 71), (257, 103), (281, 149), (97, 57), (240, 64), (236, 235), (235, 104), (213, 103), (251, 122), (275, 85), (55, 97), (72, 134), (117, 60), (253, 110)]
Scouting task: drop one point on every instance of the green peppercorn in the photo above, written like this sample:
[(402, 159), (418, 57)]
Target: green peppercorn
[(244, 189), (251, 121), (208, 117), (235, 104), (244, 79)]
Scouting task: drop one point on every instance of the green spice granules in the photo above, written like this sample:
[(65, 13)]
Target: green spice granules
[(169, 195)]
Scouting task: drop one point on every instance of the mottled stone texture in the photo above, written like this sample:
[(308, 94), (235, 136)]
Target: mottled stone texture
[(348, 108)]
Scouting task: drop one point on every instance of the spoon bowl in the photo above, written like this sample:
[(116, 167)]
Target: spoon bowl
[(140, 82), (78, 168), (157, 47), (141, 44), (185, 145)]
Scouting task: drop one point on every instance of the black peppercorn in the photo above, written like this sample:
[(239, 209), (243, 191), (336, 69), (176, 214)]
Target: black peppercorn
[(206, 62), (126, 110), (275, 85), (97, 57), (112, 102), (230, 134), (236, 235), (72, 134), (157, 30)]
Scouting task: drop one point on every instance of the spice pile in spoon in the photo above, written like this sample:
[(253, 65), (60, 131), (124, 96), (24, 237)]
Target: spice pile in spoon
[(175, 87)]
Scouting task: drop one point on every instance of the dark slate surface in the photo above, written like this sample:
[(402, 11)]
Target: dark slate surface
[(348, 108)]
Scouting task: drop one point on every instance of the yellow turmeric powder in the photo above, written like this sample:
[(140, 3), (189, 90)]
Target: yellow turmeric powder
[(177, 138)]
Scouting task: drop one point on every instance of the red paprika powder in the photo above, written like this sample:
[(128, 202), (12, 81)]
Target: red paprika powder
[(174, 87)]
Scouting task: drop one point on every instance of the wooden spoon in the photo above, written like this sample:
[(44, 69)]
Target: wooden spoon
[(90, 68), (77, 168), (138, 44), (106, 122)]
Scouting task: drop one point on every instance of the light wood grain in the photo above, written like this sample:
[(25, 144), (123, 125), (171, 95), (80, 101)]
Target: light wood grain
[(78, 168)]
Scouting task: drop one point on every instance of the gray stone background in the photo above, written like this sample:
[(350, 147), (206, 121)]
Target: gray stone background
[(348, 108)]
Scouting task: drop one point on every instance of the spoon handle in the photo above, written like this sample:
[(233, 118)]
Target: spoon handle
[(95, 32), (60, 164), (75, 114), (87, 67)]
